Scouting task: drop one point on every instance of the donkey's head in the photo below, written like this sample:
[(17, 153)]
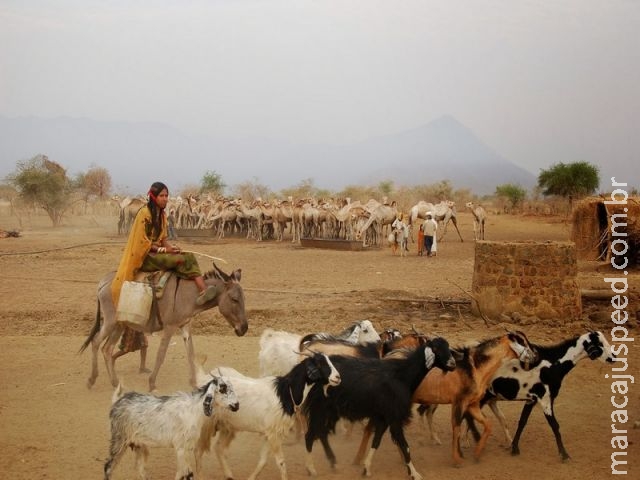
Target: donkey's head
[(230, 299)]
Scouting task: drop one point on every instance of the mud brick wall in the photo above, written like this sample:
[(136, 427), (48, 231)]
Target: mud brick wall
[(530, 278)]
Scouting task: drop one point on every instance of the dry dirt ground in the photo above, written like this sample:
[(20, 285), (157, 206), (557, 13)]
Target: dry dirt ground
[(53, 427)]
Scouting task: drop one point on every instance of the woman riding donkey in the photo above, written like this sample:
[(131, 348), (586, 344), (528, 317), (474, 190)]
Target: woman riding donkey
[(148, 249)]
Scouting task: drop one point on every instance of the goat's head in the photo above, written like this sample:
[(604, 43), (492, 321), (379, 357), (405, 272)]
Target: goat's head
[(438, 354), (596, 346), (367, 332), (351, 333), (519, 344), (219, 393), (320, 369), (390, 334)]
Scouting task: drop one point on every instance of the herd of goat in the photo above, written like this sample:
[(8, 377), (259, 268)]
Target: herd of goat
[(309, 383)]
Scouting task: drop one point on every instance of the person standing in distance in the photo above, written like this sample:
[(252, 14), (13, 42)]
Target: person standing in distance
[(429, 228)]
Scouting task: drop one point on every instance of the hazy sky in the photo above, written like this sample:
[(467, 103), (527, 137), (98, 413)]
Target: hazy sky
[(539, 81)]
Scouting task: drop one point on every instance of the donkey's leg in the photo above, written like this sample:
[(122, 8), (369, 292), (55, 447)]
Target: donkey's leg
[(188, 344), (167, 333), (95, 345), (107, 352), (97, 339)]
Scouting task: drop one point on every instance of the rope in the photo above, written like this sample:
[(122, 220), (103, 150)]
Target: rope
[(205, 255), (35, 252), (59, 248)]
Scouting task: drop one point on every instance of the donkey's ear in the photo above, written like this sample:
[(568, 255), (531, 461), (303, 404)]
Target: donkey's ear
[(220, 274), (237, 274)]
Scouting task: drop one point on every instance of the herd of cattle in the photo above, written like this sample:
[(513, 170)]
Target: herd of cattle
[(355, 375), (305, 218)]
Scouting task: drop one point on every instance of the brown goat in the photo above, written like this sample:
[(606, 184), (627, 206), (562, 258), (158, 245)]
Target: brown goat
[(465, 386), (389, 340)]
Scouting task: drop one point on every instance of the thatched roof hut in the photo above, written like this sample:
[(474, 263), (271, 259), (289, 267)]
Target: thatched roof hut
[(592, 229)]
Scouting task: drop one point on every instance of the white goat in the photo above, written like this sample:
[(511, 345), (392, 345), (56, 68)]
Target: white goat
[(269, 407), (278, 349), (142, 420)]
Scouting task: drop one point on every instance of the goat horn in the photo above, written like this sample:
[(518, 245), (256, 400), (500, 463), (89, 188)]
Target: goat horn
[(413, 327)]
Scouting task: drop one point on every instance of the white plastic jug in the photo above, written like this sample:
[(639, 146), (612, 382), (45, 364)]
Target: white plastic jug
[(134, 305)]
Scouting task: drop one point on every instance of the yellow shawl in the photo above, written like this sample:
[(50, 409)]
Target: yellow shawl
[(137, 247)]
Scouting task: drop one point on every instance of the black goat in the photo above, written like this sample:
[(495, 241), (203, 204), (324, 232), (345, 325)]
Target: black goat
[(377, 389)]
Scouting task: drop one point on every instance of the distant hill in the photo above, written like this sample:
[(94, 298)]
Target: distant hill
[(441, 149), (137, 154)]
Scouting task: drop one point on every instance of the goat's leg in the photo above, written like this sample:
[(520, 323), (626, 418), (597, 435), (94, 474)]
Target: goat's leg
[(223, 439), (495, 408), (185, 459), (555, 426), (524, 417), (364, 443), (309, 440), (142, 453), (471, 428), (328, 451), (397, 434), (262, 460), (456, 420), (380, 428), (429, 410), (191, 354), (477, 414), (308, 463), (167, 333), (278, 455), (116, 451)]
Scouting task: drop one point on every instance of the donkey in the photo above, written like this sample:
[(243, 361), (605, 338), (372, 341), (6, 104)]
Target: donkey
[(175, 310), (397, 240)]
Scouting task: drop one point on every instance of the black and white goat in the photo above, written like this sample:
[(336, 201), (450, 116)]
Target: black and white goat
[(541, 383), (358, 332), (142, 420), (269, 405), (375, 389)]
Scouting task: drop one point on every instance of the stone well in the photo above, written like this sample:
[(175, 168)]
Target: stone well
[(530, 278)]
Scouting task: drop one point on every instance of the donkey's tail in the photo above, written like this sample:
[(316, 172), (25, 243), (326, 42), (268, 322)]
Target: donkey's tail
[(93, 332)]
